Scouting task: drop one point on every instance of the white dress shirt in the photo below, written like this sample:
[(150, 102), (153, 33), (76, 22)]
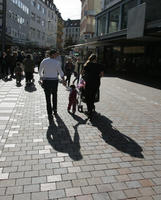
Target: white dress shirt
[(50, 68)]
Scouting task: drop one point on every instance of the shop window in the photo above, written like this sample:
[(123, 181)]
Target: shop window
[(114, 20), (102, 25), (126, 8)]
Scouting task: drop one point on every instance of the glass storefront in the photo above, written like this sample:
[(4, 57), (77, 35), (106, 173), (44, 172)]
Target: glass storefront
[(114, 17)]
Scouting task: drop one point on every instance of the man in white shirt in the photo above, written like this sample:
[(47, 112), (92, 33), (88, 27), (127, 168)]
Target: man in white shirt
[(49, 70)]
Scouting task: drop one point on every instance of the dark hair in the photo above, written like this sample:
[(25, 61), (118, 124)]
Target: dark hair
[(91, 58), (18, 64), (53, 51), (72, 87), (28, 56)]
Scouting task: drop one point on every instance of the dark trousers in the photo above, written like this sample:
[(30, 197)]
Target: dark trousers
[(28, 76), (90, 94), (12, 70), (68, 79), (72, 104), (50, 89)]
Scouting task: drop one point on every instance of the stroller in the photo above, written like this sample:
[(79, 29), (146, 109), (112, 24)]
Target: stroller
[(81, 95)]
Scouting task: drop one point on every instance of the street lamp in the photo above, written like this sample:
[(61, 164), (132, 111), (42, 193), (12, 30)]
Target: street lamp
[(4, 4)]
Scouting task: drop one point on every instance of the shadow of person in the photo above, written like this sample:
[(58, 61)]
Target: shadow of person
[(59, 138), (30, 88), (116, 139)]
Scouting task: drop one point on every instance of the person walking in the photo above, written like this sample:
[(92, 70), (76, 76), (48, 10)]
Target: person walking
[(49, 70), (69, 68), (4, 68), (92, 73), (77, 71), (28, 69), (18, 73)]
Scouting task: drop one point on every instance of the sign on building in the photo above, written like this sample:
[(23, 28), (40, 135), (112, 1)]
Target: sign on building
[(136, 21)]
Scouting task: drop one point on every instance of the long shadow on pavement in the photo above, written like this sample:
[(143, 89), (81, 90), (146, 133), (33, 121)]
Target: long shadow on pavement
[(116, 139), (59, 138)]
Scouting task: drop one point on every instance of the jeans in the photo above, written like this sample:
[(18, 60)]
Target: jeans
[(50, 89)]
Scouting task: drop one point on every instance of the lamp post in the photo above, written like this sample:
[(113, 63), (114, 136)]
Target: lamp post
[(4, 4)]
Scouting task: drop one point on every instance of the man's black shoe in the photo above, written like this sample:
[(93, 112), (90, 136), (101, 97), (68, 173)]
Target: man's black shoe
[(51, 121), (55, 112)]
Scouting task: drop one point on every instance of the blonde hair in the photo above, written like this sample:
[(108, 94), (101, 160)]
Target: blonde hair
[(91, 58)]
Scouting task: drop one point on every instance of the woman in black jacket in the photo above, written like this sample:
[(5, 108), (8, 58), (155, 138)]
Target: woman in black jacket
[(92, 73)]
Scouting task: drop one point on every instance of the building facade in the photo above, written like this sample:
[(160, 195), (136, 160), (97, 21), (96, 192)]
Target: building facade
[(71, 32), (87, 26), (31, 23), (1, 14), (129, 32), (18, 20)]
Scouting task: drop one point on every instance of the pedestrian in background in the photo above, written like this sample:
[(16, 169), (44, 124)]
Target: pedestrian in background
[(69, 68), (13, 64), (77, 70), (28, 69), (18, 73), (49, 70), (4, 68)]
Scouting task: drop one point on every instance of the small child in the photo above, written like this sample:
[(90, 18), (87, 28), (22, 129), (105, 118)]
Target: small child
[(72, 99), (18, 73)]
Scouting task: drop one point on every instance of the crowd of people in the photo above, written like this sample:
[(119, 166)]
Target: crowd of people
[(17, 64)]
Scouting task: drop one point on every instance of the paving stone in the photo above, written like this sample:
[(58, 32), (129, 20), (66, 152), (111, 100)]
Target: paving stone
[(31, 188), (63, 184), (2, 191), (56, 194), (85, 197), (73, 191), (48, 186), (6, 197), (23, 181), (39, 196), (14, 190), (22, 196), (117, 195), (101, 196), (79, 182), (104, 188), (98, 159)]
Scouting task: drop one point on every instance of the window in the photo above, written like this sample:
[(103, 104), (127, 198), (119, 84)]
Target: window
[(33, 2), (101, 25), (114, 20), (126, 8), (38, 6), (33, 16), (43, 23), (38, 19)]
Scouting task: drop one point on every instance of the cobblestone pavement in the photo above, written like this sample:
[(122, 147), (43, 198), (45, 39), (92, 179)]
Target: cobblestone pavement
[(115, 156)]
